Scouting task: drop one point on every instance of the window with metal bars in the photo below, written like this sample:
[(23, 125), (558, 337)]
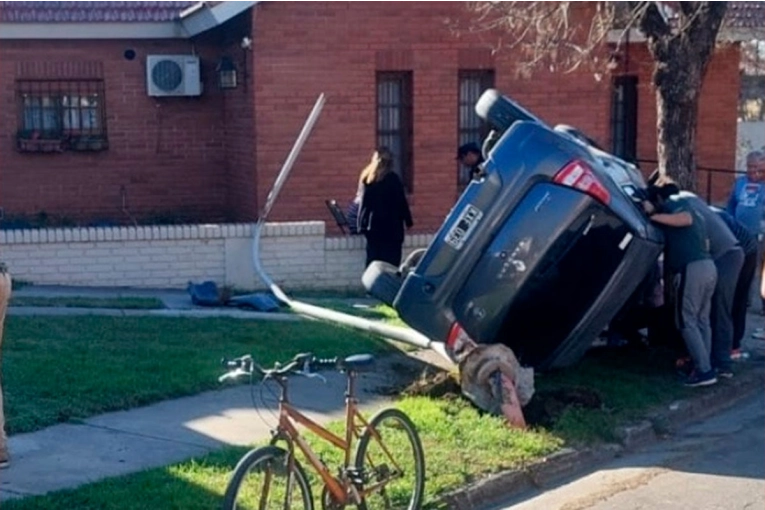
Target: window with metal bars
[(58, 115), (624, 111), (471, 128), (394, 121)]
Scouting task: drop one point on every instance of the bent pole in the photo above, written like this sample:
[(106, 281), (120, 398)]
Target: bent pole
[(406, 335)]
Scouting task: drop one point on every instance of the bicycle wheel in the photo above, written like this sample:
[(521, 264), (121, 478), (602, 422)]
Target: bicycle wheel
[(391, 463), (262, 480)]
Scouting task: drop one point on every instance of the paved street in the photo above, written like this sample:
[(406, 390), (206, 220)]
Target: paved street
[(717, 464)]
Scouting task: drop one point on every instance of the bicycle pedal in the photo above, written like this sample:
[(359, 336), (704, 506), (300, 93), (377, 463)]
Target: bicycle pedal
[(356, 476)]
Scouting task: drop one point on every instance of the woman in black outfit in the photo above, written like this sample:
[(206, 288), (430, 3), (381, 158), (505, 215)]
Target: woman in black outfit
[(384, 210)]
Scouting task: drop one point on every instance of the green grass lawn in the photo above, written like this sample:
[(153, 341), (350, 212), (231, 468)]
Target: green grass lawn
[(96, 364), (626, 382), (459, 445), (124, 303), (60, 368)]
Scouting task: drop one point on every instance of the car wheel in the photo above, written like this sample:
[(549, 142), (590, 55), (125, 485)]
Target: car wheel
[(382, 280), (499, 111)]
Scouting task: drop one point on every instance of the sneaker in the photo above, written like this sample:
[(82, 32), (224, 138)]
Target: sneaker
[(725, 373), (701, 379), (759, 334), (5, 460), (739, 355)]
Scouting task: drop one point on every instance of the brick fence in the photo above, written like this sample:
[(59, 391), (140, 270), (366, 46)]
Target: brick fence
[(296, 255)]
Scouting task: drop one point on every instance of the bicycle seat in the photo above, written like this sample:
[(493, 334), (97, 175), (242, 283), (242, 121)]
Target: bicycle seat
[(357, 362)]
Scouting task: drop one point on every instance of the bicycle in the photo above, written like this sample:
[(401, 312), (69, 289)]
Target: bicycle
[(374, 480)]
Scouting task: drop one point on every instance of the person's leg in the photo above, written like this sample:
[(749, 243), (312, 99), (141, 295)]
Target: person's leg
[(390, 251), (372, 248), (741, 298), (5, 295), (708, 279), (758, 303), (761, 275), (695, 330), (728, 271)]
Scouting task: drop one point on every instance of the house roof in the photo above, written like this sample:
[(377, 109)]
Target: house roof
[(745, 15), (94, 12), (741, 13)]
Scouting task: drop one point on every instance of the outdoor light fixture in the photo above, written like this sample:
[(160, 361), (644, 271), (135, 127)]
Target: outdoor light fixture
[(226, 73)]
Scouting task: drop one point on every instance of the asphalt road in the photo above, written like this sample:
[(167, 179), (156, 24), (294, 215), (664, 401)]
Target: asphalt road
[(716, 464)]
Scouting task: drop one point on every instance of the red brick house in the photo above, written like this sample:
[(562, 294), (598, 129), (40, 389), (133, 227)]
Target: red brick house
[(85, 137)]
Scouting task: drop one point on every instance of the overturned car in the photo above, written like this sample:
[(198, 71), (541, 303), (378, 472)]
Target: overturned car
[(539, 253)]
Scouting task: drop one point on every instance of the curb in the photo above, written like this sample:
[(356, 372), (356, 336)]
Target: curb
[(568, 462)]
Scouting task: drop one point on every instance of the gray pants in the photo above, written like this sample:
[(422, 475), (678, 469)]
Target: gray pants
[(728, 270), (695, 287)]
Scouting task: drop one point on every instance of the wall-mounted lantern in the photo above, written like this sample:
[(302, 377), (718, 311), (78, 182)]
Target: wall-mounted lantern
[(226, 70)]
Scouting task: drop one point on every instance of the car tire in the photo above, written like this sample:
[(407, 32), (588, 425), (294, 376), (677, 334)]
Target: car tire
[(499, 111), (382, 281)]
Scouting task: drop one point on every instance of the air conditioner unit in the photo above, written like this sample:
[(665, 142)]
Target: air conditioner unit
[(173, 75)]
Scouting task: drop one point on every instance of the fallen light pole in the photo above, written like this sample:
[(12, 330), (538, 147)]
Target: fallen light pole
[(490, 375)]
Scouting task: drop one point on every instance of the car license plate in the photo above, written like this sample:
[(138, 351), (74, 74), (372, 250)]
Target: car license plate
[(463, 227)]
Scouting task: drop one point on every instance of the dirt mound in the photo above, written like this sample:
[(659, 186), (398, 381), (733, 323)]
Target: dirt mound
[(414, 378), (439, 384), (547, 406)]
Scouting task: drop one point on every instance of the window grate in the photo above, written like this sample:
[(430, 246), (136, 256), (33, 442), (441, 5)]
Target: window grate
[(624, 113), (471, 128), (394, 121), (58, 115)]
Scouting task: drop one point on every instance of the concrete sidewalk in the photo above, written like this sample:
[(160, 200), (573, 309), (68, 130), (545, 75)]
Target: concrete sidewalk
[(68, 455)]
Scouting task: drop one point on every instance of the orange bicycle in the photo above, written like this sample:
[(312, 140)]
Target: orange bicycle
[(388, 467)]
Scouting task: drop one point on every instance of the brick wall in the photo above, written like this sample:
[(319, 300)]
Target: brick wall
[(339, 55), (239, 117), (716, 140), (214, 158), (296, 255), (166, 155)]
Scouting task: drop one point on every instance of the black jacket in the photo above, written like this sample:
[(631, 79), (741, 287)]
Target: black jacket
[(384, 210)]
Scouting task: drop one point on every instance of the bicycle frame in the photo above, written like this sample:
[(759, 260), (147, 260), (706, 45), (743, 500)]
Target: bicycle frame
[(287, 431)]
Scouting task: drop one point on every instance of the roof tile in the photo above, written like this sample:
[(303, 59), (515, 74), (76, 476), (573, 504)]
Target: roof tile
[(745, 15), (740, 14), (72, 12)]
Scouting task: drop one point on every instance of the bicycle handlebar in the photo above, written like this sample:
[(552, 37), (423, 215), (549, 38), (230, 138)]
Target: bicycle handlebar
[(302, 364)]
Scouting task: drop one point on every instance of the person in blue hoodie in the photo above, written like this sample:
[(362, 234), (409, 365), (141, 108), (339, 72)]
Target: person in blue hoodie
[(747, 205), (747, 199)]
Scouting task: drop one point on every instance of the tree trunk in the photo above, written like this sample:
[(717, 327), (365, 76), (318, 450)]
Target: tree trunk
[(681, 50), (677, 107)]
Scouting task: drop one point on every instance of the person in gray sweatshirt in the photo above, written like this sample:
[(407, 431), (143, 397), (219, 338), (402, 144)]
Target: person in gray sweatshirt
[(691, 272), (728, 258)]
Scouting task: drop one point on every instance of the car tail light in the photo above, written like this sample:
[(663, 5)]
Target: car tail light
[(458, 340), (580, 176)]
